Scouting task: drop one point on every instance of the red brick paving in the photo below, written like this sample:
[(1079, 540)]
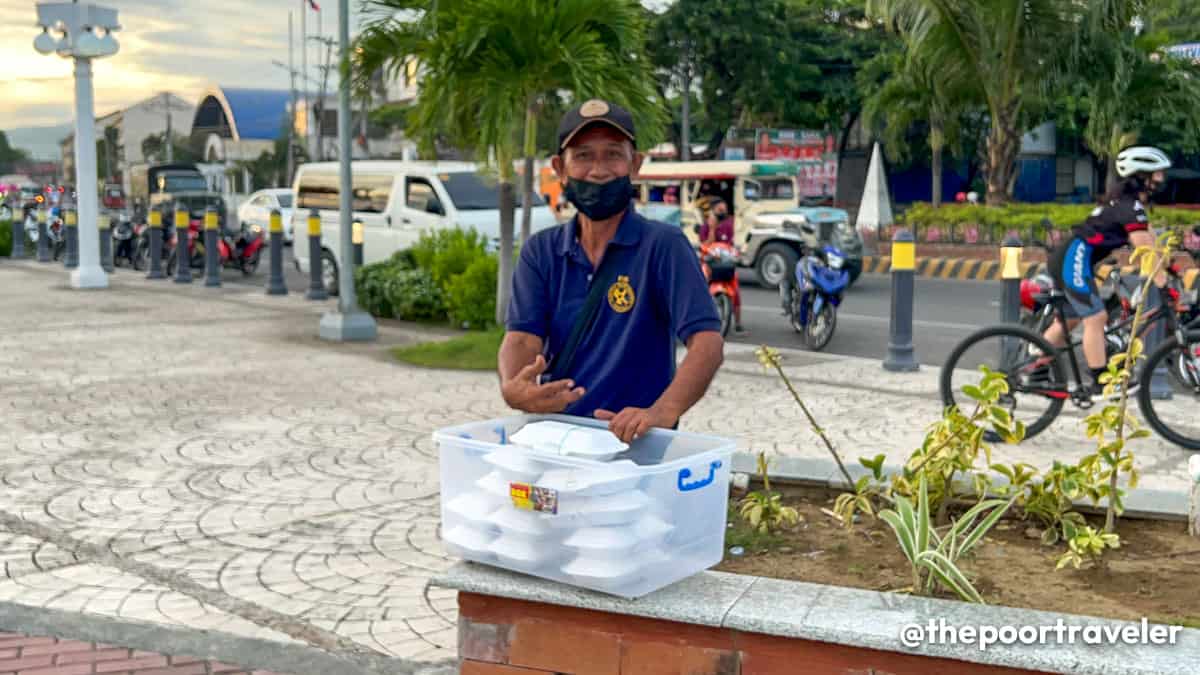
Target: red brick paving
[(31, 655)]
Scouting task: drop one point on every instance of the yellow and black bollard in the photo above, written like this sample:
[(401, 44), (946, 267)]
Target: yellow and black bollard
[(43, 242), (316, 286), (1010, 275), (71, 227), (900, 336), (182, 252), (212, 253), (104, 230), (275, 283), (155, 235)]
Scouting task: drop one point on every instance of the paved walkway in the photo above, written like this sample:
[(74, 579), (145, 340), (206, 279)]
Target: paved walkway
[(31, 655), (195, 458)]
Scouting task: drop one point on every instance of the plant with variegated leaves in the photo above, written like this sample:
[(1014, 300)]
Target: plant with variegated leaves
[(933, 557)]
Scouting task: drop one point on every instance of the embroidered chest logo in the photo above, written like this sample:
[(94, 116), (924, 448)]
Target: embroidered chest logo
[(620, 295)]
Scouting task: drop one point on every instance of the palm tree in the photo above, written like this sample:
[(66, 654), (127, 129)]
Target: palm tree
[(1011, 48), (486, 65), (917, 92)]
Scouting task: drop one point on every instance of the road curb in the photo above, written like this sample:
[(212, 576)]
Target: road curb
[(974, 269)]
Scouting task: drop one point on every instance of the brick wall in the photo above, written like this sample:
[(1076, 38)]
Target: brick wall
[(499, 636)]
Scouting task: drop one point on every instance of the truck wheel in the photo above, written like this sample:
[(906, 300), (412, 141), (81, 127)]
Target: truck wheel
[(775, 262)]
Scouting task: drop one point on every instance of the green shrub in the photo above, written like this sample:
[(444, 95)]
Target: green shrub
[(393, 289), (979, 224), (471, 296), (5, 238), (446, 253), (413, 296)]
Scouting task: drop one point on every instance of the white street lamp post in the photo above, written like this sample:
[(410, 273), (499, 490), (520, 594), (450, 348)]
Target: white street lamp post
[(77, 25)]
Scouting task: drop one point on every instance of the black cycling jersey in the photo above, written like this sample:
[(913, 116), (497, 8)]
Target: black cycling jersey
[(1107, 228)]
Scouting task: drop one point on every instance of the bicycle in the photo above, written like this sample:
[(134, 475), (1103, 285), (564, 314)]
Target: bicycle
[(1037, 378)]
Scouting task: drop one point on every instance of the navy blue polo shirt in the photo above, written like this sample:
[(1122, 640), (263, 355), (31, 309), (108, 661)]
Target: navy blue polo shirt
[(627, 358)]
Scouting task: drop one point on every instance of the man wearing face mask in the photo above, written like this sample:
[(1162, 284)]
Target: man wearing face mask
[(599, 301)]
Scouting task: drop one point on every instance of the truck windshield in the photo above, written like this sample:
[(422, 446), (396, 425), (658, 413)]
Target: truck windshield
[(470, 192), (182, 182)]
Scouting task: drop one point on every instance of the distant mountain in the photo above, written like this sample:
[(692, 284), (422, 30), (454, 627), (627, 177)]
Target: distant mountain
[(40, 142)]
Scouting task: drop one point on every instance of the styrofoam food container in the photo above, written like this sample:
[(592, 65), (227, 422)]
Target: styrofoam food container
[(616, 509), (607, 479), (469, 539), (570, 439), (524, 552), (619, 541), (610, 572), (515, 464), (475, 506), (514, 521)]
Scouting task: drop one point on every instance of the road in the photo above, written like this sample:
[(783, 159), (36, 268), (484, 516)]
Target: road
[(945, 311)]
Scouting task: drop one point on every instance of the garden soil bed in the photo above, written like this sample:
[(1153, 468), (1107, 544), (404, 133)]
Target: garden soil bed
[(1152, 575)]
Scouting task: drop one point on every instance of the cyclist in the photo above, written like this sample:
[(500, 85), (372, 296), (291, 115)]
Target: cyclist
[(1119, 221)]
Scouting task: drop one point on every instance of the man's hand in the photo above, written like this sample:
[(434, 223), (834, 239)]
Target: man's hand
[(632, 423), (525, 393)]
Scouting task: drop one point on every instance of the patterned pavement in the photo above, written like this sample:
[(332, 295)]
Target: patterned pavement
[(196, 457)]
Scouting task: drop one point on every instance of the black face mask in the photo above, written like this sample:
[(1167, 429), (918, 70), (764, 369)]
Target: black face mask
[(600, 201)]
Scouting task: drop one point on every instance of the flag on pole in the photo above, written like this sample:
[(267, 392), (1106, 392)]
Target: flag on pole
[(314, 5)]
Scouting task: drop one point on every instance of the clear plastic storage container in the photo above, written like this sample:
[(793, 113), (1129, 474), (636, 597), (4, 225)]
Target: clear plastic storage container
[(642, 520)]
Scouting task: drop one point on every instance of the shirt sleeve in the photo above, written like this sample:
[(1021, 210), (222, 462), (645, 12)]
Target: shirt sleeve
[(529, 308), (690, 308)]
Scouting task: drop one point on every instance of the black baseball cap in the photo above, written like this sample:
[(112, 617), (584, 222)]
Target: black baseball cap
[(591, 112)]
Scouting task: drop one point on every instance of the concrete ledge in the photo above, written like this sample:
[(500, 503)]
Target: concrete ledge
[(852, 618), (286, 657), (1139, 503)]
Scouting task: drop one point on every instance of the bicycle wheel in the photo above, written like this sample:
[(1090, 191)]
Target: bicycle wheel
[(1037, 384), (1176, 419)]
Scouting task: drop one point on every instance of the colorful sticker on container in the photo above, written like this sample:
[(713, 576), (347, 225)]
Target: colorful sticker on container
[(533, 498)]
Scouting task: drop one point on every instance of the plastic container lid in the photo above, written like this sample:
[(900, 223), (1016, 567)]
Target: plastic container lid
[(516, 464), (571, 440)]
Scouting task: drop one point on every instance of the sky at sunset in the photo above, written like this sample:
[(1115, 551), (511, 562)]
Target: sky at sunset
[(166, 45)]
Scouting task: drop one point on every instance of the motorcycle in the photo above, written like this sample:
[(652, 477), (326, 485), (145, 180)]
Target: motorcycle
[(194, 247), (242, 251), (719, 262), (810, 299)]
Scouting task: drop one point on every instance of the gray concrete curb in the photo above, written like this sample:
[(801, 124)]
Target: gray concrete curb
[(296, 659), (853, 617), (1139, 503)]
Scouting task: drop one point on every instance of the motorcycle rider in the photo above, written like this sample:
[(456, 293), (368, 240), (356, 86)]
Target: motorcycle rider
[(718, 227), (1119, 221)]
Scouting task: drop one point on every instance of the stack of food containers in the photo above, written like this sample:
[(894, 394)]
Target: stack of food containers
[(561, 498)]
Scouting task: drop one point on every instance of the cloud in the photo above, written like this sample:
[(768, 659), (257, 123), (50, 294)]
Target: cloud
[(166, 45)]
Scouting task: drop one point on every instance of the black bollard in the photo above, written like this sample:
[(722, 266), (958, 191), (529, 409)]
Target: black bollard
[(1160, 386), (43, 242), (71, 221), (316, 286), (212, 254), (275, 283), (104, 229), (900, 345), (183, 257), (155, 235), (1010, 275)]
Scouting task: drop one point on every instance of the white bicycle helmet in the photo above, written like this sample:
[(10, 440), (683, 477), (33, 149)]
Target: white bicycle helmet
[(1141, 159)]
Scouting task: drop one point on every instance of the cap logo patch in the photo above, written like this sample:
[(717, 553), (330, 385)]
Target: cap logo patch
[(593, 108)]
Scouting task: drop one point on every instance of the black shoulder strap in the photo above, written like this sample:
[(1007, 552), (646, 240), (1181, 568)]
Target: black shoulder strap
[(560, 363)]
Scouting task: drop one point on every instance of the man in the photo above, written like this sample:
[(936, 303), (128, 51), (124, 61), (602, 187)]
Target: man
[(623, 286)]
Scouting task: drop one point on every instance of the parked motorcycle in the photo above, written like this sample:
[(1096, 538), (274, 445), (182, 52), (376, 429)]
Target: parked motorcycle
[(241, 251), (719, 262), (814, 292)]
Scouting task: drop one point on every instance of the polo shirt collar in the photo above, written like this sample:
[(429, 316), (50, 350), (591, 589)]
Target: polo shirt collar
[(629, 231)]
